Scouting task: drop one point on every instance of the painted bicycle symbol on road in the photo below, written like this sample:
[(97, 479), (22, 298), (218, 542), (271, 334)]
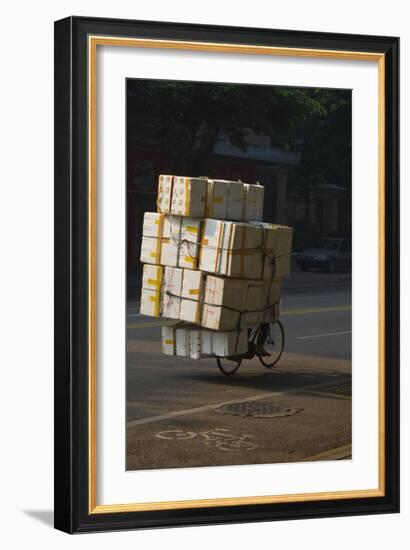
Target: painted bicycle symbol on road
[(220, 438)]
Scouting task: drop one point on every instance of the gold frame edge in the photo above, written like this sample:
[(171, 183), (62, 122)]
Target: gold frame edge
[(93, 42)]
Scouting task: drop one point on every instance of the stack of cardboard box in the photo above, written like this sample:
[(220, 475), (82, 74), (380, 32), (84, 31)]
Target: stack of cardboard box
[(210, 262)]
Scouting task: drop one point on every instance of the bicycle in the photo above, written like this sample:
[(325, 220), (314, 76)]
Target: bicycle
[(271, 339)]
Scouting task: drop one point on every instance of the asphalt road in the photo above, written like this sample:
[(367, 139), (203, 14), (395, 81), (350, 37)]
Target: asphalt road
[(176, 415), (315, 324)]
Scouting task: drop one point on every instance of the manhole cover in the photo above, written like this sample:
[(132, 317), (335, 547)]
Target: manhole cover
[(257, 409)]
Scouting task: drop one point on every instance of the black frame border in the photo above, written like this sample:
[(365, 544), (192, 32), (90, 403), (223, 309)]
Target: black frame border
[(71, 274)]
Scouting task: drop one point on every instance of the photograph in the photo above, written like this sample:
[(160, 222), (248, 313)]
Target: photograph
[(226, 280), (239, 274)]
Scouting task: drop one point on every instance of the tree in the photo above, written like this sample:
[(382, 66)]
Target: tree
[(184, 119), (327, 143)]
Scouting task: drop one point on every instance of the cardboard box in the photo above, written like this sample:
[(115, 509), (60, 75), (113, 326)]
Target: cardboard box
[(152, 277), (246, 299), (202, 197), (277, 245), (242, 263), (169, 252), (254, 202), (226, 292), (179, 245), (227, 344), (224, 344), (276, 266), (189, 236), (236, 201), (153, 224), (226, 200), (219, 318), (272, 291), (150, 302), (217, 199), (216, 303), (171, 292), (189, 197), (255, 304), (170, 240), (182, 342), (190, 341), (195, 343), (168, 340), (192, 288), (223, 301), (231, 249), (165, 184), (150, 250)]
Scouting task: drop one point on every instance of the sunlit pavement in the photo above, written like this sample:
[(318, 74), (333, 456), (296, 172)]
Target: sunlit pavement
[(185, 413)]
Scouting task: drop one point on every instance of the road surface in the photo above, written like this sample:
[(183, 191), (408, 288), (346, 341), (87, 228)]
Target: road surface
[(182, 412)]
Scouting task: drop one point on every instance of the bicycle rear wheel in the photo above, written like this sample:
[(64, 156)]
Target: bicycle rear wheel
[(228, 365), (273, 345)]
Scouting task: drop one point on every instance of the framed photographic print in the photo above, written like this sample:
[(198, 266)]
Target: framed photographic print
[(226, 274)]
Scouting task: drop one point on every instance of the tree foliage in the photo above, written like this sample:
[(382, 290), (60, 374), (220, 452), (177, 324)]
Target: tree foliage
[(184, 119)]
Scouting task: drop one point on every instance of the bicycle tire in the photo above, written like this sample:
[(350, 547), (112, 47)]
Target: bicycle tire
[(269, 364), (228, 371)]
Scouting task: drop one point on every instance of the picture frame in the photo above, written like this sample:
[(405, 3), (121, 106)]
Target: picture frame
[(77, 40)]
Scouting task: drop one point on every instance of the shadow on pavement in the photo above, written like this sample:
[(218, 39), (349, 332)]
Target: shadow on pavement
[(269, 381)]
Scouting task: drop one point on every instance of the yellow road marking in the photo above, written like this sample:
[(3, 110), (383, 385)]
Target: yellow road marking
[(283, 313)]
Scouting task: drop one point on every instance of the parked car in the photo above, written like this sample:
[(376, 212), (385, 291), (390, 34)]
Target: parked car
[(330, 254)]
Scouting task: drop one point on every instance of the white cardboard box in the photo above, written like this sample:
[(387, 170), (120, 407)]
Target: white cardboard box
[(165, 184), (277, 245), (152, 277), (192, 288), (189, 197), (201, 197), (272, 291), (153, 224), (170, 240), (169, 253), (226, 292), (217, 199), (182, 342), (216, 303), (255, 304), (224, 300), (191, 341), (219, 318), (254, 202), (168, 340), (236, 201), (195, 343), (231, 249), (225, 344), (150, 250), (150, 302), (226, 200), (171, 293)]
